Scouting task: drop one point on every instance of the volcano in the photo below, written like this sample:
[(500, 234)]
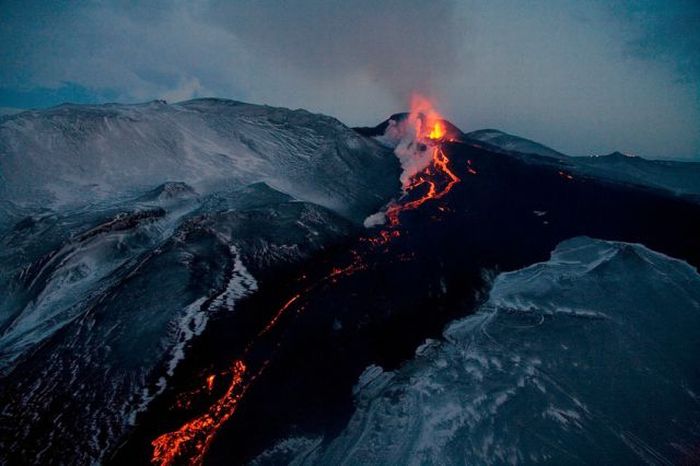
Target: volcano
[(213, 282)]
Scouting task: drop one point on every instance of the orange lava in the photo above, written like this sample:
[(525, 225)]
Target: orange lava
[(279, 313), (437, 132), (189, 444), (439, 179)]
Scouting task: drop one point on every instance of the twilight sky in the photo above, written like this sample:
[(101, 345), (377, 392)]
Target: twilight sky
[(583, 76)]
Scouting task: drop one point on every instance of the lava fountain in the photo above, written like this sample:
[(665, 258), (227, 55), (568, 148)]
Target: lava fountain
[(423, 134)]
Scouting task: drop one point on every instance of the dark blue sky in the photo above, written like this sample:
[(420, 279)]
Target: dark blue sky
[(584, 76)]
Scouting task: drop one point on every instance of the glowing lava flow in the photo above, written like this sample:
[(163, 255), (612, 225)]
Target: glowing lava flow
[(193, 438), (189, 444), (429, 126), (440, 164)]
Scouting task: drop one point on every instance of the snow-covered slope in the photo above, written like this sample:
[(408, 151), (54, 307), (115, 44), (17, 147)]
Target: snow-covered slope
[(588, 358), (75, 155), (98, 324), (678, 177), (9, 111), (125, 228)]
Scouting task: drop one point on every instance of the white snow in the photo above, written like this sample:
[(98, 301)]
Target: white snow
[(500, 390), (71, 156)]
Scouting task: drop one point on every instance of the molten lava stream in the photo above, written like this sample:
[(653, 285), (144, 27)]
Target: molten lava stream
[(440, 163), (194, 437), (189, 443)]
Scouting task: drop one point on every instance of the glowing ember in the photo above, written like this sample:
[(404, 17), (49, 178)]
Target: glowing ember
[(565, 175), (470, 168)]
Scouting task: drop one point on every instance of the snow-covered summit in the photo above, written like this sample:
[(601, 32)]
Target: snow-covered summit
[(74, 155)]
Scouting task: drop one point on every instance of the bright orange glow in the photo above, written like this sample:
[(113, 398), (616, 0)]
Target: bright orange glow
[(189, 444), (438, 131), (429, 124), (192, 440)]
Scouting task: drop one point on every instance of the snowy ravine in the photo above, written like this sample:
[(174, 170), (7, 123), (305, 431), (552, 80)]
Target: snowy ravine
[(588, 358), (125, 228)]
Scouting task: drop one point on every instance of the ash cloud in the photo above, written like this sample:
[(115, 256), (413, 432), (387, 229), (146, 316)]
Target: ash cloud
[(400, 44)]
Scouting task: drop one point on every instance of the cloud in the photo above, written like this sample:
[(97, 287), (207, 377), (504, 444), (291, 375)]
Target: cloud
[(667, 31), (401, 44), (140, 52), (583, 77)]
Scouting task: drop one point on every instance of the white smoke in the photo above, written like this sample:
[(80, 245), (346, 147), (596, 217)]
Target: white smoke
[(376, 219), (413, 154)]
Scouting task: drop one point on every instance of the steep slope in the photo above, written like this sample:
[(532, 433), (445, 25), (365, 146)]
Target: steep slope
[(99, 324), (124, 229)]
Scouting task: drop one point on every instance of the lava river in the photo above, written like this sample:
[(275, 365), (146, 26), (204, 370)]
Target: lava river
[(189, 443)]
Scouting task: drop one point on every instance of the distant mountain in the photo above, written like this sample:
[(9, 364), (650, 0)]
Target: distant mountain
[(512, 143), (678, 177)]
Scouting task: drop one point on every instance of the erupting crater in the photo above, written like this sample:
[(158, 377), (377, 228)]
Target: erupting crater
[(425, 132)]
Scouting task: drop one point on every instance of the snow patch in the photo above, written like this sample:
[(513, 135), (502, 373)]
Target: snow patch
[(193, 321)]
